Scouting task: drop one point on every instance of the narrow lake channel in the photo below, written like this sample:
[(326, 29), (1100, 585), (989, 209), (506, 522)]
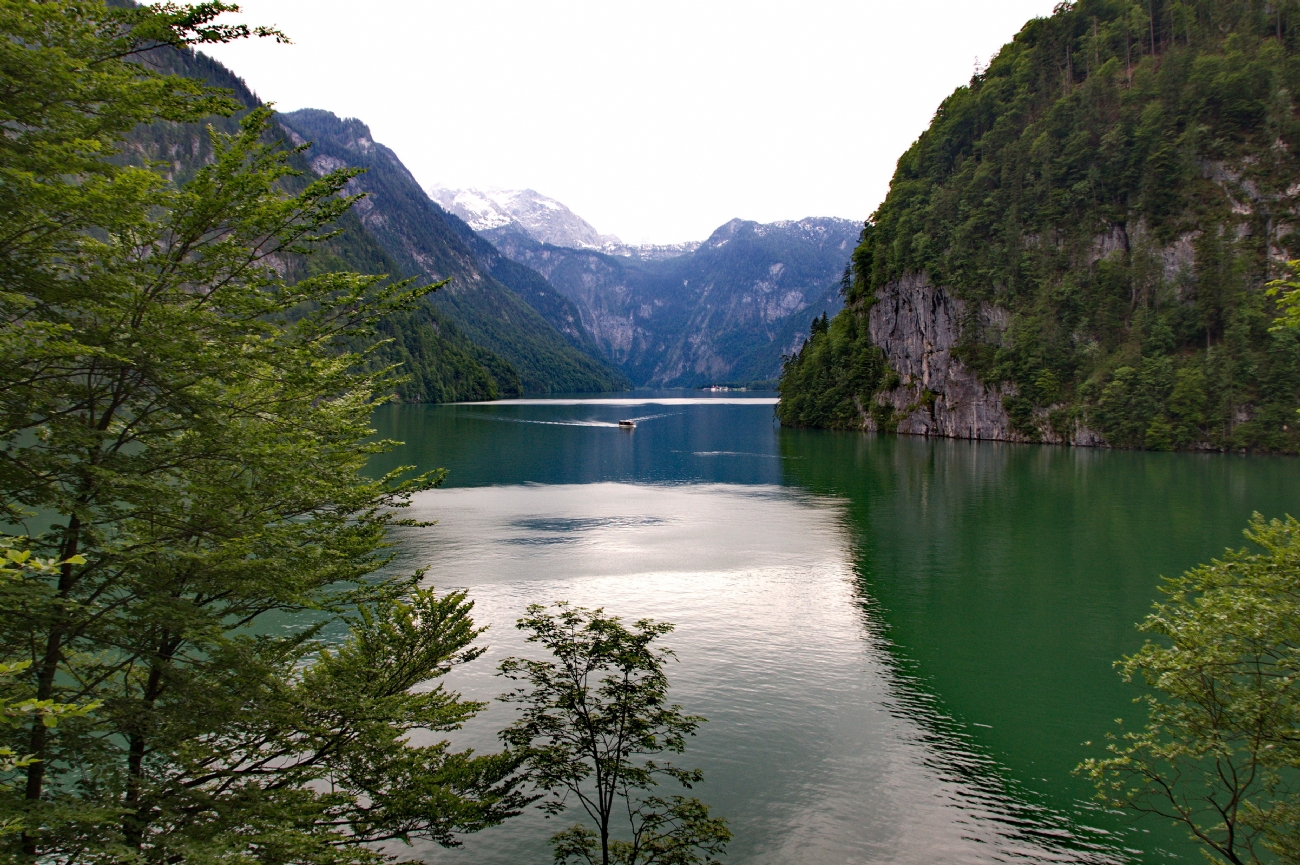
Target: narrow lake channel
[(902, 645)]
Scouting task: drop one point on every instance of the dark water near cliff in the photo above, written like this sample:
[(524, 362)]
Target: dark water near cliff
[(901, 644)]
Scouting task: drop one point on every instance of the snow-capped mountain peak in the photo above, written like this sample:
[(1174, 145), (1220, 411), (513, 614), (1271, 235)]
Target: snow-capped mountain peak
[(543, 219), (476, 208)]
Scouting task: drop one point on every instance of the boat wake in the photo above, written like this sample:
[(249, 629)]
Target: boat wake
[(587, 423)]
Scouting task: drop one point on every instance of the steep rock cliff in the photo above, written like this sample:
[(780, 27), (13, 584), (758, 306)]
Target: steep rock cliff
[(918, 325)]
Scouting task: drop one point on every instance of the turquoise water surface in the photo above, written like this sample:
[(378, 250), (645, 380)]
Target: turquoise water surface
[(902, 645)]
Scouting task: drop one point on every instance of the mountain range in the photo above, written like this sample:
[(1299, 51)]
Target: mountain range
[(537, 300), (722, 311), (497, 307)]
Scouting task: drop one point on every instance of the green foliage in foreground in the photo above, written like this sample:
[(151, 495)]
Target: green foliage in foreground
[(593, 719), (1220, 753), (1120, 180), (182, 435)]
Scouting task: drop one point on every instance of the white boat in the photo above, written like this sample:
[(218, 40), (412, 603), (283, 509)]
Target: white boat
[(627, 424)]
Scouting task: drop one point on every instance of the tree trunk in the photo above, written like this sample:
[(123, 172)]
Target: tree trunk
[(38, 742), (136, 822), (1151, 19)]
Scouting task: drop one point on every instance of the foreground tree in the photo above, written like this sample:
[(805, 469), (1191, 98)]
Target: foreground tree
[(183, 432), (1220, 753), (593, 717)]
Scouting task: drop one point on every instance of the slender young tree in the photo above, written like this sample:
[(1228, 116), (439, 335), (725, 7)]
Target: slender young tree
[(1220, 752), (594, 718), (184, 433)]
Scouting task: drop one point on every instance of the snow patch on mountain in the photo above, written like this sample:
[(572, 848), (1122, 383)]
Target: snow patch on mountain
[(543, 219), (476, 208)]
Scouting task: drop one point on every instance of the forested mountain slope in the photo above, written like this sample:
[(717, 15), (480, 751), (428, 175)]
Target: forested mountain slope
[(1078, 248), (530, 285), (441, 362), (428, 242), (725, 311)]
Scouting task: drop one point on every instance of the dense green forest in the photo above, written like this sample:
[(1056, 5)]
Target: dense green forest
[(1121, 180)]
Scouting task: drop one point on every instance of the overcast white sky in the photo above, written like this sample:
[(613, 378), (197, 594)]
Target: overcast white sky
[(656, 121)]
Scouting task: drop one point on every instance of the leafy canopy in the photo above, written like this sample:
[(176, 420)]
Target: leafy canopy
[(1220, 752), (15, 707)]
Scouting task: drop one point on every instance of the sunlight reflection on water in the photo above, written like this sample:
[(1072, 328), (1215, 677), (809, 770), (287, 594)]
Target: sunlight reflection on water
[(818, 749)]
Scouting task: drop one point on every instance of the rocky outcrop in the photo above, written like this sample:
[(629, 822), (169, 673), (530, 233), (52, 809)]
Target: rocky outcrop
[(917, 325)]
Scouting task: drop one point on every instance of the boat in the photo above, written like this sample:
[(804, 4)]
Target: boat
[(627, 424)]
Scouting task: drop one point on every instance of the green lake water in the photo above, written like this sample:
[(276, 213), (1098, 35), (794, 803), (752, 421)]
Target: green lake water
[(902, 645)]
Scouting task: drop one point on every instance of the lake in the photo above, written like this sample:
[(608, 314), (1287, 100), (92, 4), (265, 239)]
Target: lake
[(902, 645)]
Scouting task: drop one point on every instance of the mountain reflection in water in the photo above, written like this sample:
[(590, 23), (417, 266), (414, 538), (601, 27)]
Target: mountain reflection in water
[(900, 644)]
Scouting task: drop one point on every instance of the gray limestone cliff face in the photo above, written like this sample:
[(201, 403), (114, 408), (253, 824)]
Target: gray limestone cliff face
[(917, 325)]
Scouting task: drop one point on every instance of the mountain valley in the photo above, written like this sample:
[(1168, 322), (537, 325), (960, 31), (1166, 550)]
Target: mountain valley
[(682, 315), (726, 311)]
